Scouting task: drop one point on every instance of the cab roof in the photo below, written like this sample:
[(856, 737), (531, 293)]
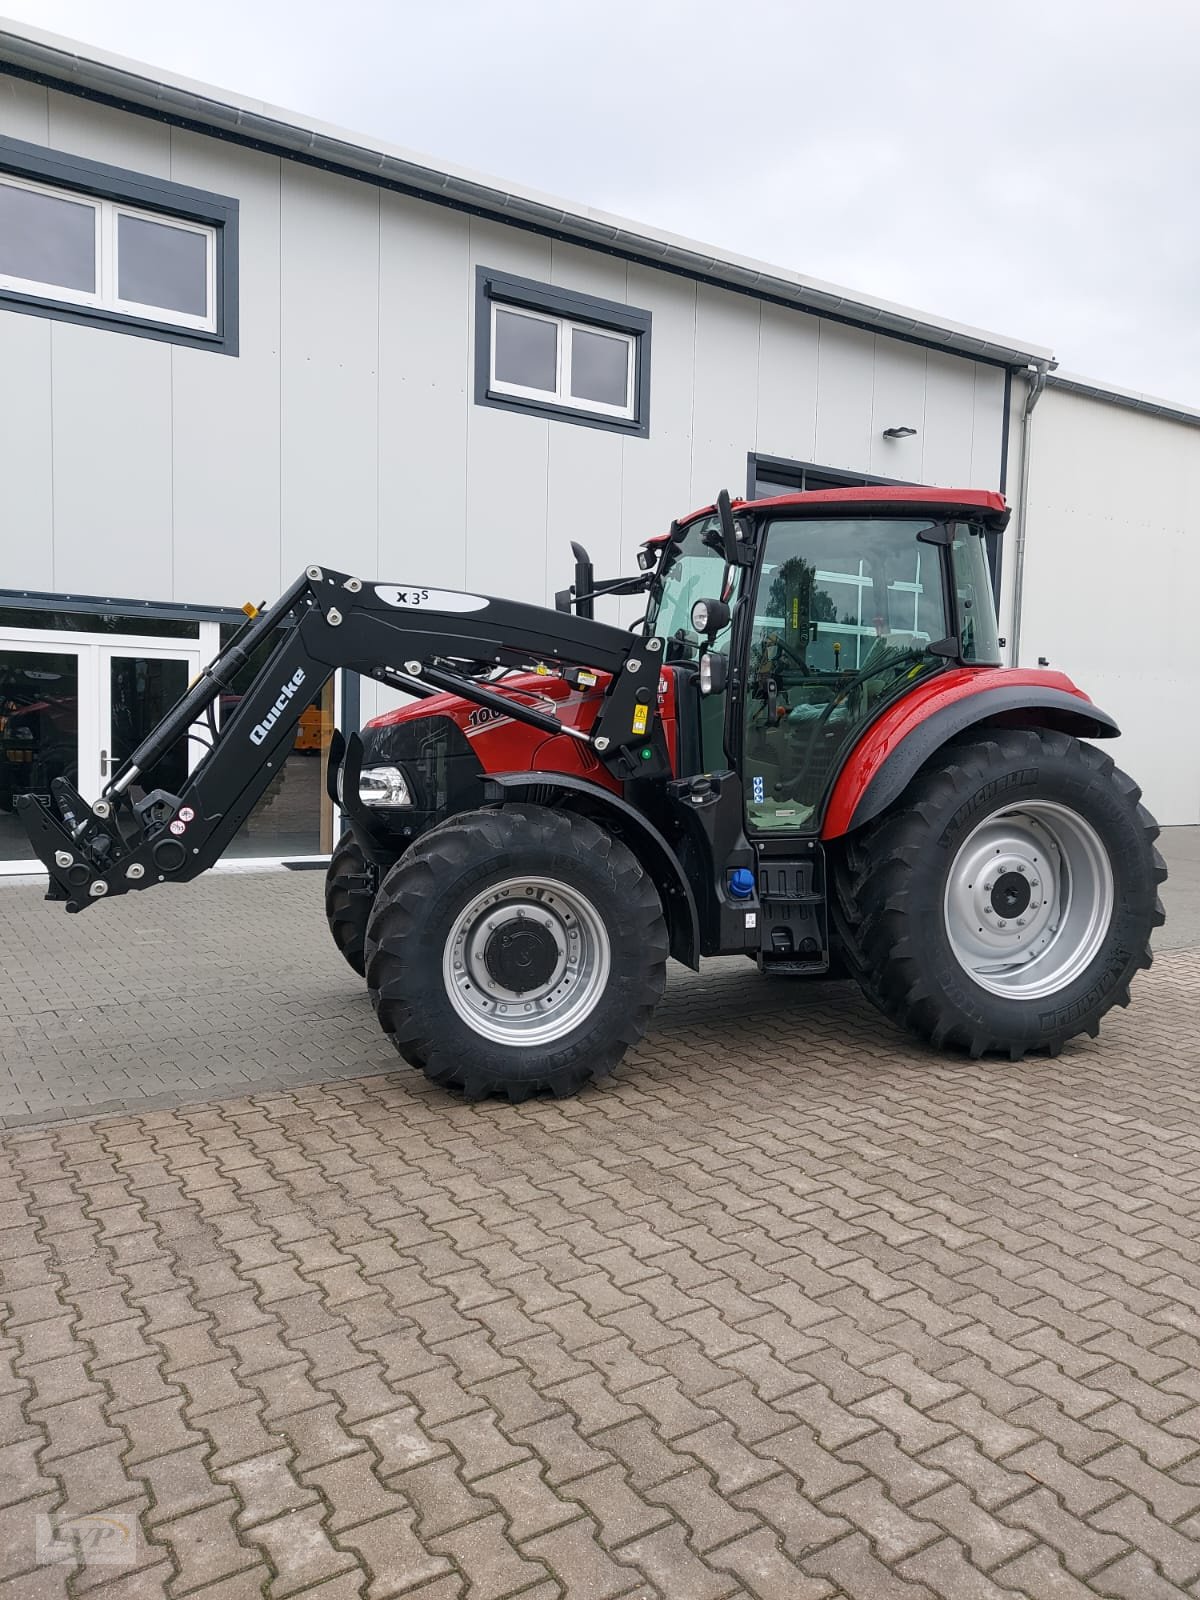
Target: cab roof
[(982, 505)]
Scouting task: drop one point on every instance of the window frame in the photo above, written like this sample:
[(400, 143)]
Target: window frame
[(806, 475), (114, 192), (568, 311)]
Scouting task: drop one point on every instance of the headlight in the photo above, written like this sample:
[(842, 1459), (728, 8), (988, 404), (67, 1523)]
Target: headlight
[(383, 786), (714, 672)]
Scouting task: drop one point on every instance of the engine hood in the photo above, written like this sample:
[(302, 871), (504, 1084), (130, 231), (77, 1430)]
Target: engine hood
[(574, 706)]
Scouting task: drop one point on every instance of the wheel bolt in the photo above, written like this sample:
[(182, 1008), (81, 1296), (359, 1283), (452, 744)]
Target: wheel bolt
[(1020, 868), (1020, 922), (1002, 923)]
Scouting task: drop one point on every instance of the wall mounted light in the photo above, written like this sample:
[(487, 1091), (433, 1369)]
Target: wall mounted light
[(899, 433)]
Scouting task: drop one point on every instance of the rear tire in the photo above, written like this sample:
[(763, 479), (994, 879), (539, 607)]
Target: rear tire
[(348, 900), (1007, 901), (516, 950)]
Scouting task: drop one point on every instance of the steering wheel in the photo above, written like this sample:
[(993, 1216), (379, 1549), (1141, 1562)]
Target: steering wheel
[(788, 651), (869, 669), (888, 659)]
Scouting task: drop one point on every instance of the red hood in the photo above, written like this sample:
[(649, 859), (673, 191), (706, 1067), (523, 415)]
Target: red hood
[(575, 706)]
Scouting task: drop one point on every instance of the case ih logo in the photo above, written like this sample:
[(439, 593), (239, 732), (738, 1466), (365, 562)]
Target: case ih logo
[(260, 730)]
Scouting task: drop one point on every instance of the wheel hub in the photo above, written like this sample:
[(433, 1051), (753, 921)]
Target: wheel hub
[(521, 955), (526, 961), (1029, 898), (1011, 894)]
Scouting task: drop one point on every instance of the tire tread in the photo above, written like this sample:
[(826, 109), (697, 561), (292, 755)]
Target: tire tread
[(878, 930)]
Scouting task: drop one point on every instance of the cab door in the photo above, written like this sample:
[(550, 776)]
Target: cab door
[(845, 611)]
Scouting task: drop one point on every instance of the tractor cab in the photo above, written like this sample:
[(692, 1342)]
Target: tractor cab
[(836, 604)]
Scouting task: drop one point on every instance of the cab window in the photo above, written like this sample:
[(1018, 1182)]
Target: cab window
[(844, 616)]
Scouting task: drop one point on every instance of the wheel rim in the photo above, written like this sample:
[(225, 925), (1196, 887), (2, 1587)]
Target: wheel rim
[(526, 961), (1029, 900)]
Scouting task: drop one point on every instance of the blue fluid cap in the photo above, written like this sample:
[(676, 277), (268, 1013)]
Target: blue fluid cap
[(741, 883)]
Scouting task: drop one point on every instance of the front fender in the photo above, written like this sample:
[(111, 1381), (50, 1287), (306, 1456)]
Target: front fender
[(894, 748), (642, 837)]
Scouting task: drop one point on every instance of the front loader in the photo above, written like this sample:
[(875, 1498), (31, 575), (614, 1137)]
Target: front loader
[(805, 752)]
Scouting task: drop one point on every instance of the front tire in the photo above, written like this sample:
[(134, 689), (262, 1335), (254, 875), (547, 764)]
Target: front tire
[(1007, 901), (349, 894), (516, 950)]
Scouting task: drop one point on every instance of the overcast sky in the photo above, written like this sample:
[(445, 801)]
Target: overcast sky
[(1031, 167)]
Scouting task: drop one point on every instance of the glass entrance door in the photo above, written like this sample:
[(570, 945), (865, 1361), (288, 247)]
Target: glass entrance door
[(76, 710), (138, 686), (46, 704)]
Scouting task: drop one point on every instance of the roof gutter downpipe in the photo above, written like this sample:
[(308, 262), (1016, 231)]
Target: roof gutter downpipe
[(1036, 378)]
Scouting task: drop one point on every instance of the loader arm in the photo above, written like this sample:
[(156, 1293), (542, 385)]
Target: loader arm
[(416, 638)]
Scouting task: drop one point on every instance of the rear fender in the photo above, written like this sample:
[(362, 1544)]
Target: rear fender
[(894, 749), (631, 827)]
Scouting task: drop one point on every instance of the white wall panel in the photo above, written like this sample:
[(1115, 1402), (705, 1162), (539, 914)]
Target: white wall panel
[(656, 478), (897, 401), (24, 112), (787, 384), (225, 437), (987, 428), (583, 503), (588, 272), (329, 330), (1112, 569), (426, 290), (112, 463), (26, 454), (507, 453), (948, 437), (585, 465), (102, 133), (725, 401), (845, 384)]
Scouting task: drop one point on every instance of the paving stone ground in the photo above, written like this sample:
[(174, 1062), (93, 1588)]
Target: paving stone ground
[(794, 1308)]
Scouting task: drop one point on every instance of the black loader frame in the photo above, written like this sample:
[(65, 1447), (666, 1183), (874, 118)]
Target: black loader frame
[(417, 639)]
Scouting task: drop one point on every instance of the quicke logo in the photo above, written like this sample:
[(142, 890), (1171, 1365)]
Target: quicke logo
[(260, 730)]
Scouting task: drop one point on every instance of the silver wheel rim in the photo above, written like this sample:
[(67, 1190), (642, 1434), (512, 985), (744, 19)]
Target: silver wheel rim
[(1029, 900), (563, 920)]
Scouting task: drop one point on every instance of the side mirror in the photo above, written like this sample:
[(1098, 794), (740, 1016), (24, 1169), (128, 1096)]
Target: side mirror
[(714, 672), (709, 617)]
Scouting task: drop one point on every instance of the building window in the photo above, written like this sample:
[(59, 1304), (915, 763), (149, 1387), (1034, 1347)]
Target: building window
[(552, 352), (551, 359), (767, 476), (85, 242)]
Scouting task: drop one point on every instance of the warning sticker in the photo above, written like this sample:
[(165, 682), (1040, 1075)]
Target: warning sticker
[(186, 813), (641, 715), (178, 827)]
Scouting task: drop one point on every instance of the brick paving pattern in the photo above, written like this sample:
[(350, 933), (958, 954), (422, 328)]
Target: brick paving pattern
[(794, 1308)]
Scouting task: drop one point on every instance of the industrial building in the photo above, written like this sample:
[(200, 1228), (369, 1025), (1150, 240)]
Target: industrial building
[(235, 341)]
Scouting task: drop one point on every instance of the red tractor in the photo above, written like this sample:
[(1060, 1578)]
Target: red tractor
[(805, 751)]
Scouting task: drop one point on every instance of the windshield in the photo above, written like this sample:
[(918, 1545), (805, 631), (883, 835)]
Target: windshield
[(695, 571)]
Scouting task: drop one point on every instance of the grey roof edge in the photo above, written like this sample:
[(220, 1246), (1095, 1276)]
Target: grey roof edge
[(1131, 399), (89, 69)]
